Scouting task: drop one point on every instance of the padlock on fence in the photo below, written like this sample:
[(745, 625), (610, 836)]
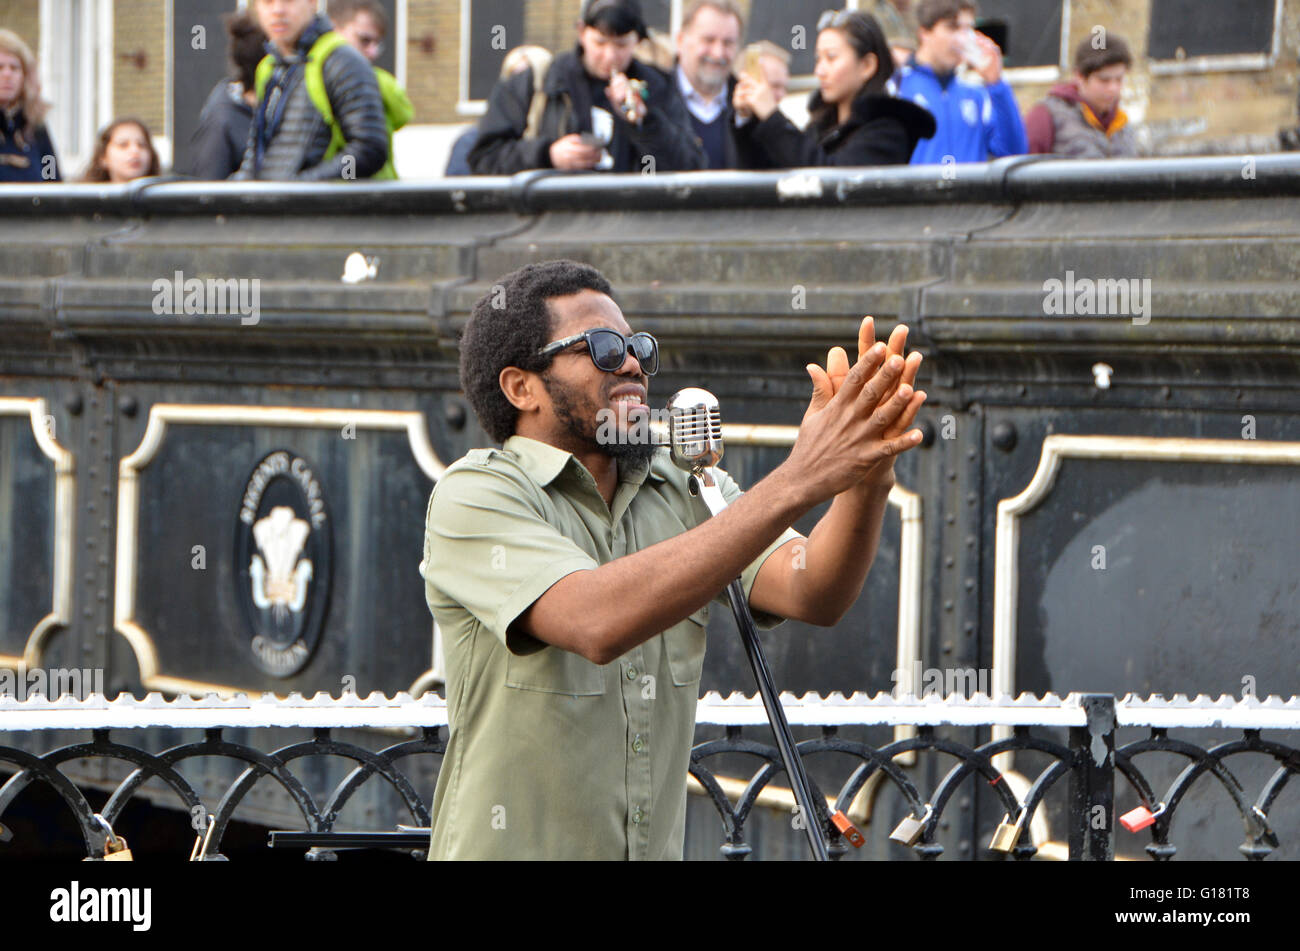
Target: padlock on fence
[(200, 851), (115, 847), (1135, 820), (1007, 833), (910, 829), (848, 829), (118, 850)]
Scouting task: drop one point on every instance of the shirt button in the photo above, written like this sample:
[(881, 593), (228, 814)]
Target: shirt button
[(637, 815), (637, 744), (631, 672)]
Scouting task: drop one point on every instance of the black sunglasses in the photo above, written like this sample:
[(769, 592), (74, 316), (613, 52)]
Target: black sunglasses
[(609, 348)]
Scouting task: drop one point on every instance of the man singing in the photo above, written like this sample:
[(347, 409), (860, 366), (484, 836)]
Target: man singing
[(571, 573)]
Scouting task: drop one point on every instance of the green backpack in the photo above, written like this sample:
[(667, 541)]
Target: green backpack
[(397, 107)]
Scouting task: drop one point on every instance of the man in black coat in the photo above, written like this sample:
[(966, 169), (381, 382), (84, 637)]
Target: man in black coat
[(599, 108)]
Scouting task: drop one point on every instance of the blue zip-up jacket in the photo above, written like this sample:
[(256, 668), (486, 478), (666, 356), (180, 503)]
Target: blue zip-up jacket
[(975, 122)]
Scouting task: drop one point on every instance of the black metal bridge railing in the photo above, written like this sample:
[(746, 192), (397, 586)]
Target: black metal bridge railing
[(1088, 763)]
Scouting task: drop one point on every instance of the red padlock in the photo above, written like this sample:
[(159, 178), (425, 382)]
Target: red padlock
[(1139, 818), (848, 829)]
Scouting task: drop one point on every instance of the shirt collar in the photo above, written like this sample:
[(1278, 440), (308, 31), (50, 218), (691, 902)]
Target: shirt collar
[(690, 94), (544, 463)]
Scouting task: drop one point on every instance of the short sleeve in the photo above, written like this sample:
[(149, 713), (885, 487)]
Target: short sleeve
[(489, 548), (763, 620)]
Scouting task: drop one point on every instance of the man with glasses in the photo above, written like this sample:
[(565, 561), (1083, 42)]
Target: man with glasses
[(364, 24), (570, 571)]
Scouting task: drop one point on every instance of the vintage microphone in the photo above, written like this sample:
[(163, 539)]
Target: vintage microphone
[(695, 434)]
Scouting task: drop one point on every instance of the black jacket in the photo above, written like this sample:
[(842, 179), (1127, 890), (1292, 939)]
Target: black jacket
[(217, 146), (291, 143), (739, 151), (25, 155), (665, 133), (882, 130)]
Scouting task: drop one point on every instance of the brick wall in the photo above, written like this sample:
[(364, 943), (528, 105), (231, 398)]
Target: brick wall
[(140, 61), (24, 18), (1234, 108), (434, 49), (1239, 110)]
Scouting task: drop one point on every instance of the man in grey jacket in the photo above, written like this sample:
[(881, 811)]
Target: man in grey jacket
[(290, 138)]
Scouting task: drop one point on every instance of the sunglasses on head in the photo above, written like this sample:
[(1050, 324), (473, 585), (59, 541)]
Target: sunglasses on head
[(834, 19), (609, 348)]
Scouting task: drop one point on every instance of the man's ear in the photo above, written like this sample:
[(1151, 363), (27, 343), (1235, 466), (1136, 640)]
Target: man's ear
[(522, 389)]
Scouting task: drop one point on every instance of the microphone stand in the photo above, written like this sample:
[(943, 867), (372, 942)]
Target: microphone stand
[(703, 484)]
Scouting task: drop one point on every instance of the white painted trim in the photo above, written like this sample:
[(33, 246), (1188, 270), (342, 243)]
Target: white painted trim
[(1239, 62), (412, 422), (1026, 75), (400, 31), (169, 58), (65, 516), (464, 105), (104, 64), (1067, 12), (73, 128), (377, 710), (1057, 447)]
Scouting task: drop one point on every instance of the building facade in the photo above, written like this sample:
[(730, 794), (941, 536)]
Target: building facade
[(1210, 77)]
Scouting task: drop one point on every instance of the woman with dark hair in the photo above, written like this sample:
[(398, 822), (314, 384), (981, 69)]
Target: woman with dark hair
[(125, 152), (26, 152), (217, 145), (853, 118)]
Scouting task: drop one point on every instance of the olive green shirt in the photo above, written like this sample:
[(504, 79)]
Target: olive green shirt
[(551, 756)]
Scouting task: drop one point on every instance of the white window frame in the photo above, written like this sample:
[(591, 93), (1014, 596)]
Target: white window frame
[(464, 105), (1031, 75), (400, 27), (1226, 62), (74, 130)]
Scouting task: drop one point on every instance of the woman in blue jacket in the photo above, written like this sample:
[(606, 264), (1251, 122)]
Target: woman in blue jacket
[(26, 152), (853, 118)]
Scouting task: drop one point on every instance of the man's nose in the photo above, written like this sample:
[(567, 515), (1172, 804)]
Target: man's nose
[(631, 365)]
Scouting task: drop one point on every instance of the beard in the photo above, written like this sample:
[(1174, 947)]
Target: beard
[(712, 73), (578, 415)]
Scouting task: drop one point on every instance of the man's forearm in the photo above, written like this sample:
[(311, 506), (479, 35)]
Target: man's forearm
[(828, 577), (605, 612)]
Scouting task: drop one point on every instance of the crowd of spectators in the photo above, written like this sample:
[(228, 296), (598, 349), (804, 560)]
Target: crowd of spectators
[(897, 83)]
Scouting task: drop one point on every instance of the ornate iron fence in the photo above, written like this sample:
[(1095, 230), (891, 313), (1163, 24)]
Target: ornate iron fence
[(1088, 762)]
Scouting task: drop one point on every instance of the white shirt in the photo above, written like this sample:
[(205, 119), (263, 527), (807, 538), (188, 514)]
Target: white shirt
[(706, 110)]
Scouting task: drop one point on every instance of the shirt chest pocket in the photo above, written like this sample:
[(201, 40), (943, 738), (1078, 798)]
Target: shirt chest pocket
[(551, 670), (684, 643)]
